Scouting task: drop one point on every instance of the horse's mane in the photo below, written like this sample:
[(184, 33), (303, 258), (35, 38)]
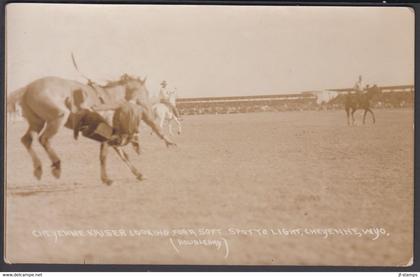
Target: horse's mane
[(123, 79), (113, 83), (373, 90)]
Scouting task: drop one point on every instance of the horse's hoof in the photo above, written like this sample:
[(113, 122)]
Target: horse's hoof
[(140, 178), (38, 172), (107, 182), (137, 150), (56, 169), (56, 172)]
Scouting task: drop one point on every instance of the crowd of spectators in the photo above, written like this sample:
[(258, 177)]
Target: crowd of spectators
[(381, 101)]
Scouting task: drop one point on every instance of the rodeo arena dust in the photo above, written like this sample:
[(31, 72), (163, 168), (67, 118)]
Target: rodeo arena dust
[(216, 135), (287, 158)]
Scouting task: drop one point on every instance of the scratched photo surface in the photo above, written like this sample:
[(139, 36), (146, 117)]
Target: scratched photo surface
[(209, 135)]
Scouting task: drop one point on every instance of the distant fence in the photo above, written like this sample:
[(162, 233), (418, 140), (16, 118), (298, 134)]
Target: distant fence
[(391, 97)]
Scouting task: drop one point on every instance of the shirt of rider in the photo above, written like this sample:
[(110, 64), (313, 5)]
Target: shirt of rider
[(358, 86), (164, 93)]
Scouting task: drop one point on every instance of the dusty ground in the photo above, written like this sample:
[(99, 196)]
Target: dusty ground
[(247, 171)]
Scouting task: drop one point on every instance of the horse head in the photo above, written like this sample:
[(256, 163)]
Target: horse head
[(373, 91), (172, 97), (135, 87)]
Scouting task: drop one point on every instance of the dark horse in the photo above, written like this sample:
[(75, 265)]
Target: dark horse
[(360, 101)]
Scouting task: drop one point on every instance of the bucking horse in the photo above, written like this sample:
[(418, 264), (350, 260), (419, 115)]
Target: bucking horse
[(48, 103)]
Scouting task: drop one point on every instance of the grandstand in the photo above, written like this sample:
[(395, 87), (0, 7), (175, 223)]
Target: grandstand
[(391, 97)]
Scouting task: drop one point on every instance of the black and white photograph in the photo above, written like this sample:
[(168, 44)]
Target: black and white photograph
[(209, 135)]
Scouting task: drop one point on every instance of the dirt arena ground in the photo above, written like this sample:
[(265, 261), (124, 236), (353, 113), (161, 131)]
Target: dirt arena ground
[(239, 189)]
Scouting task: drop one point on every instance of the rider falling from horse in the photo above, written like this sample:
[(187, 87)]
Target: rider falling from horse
[(125, 123)]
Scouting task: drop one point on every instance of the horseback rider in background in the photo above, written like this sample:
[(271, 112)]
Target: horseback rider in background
[(358, 86), (165, 98)]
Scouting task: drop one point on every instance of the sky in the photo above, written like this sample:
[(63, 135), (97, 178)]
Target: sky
[(206, 51)]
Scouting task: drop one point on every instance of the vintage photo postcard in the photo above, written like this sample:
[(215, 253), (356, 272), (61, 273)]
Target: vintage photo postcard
[(209, 135)]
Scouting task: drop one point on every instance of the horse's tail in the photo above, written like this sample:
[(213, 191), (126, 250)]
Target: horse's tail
[(14, 98)]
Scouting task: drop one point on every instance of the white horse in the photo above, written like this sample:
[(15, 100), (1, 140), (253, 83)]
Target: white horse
[(162, 113)]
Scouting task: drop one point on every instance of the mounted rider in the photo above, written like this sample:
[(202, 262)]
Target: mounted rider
[(358, 86), (166, 97)]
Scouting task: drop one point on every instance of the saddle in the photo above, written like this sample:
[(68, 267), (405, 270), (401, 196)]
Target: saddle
[(85, 97), (100, 93), (167, 104)]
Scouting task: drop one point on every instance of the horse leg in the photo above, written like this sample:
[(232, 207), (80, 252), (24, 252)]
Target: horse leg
[(102, 157), (35, 126), (151, 131), (352, 116), (364, 116), (124, 157), (162, 122), (27, 140), (348, 116), (50, 131), (170, 126), (135, 143), (373, 115), (179, 125)]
